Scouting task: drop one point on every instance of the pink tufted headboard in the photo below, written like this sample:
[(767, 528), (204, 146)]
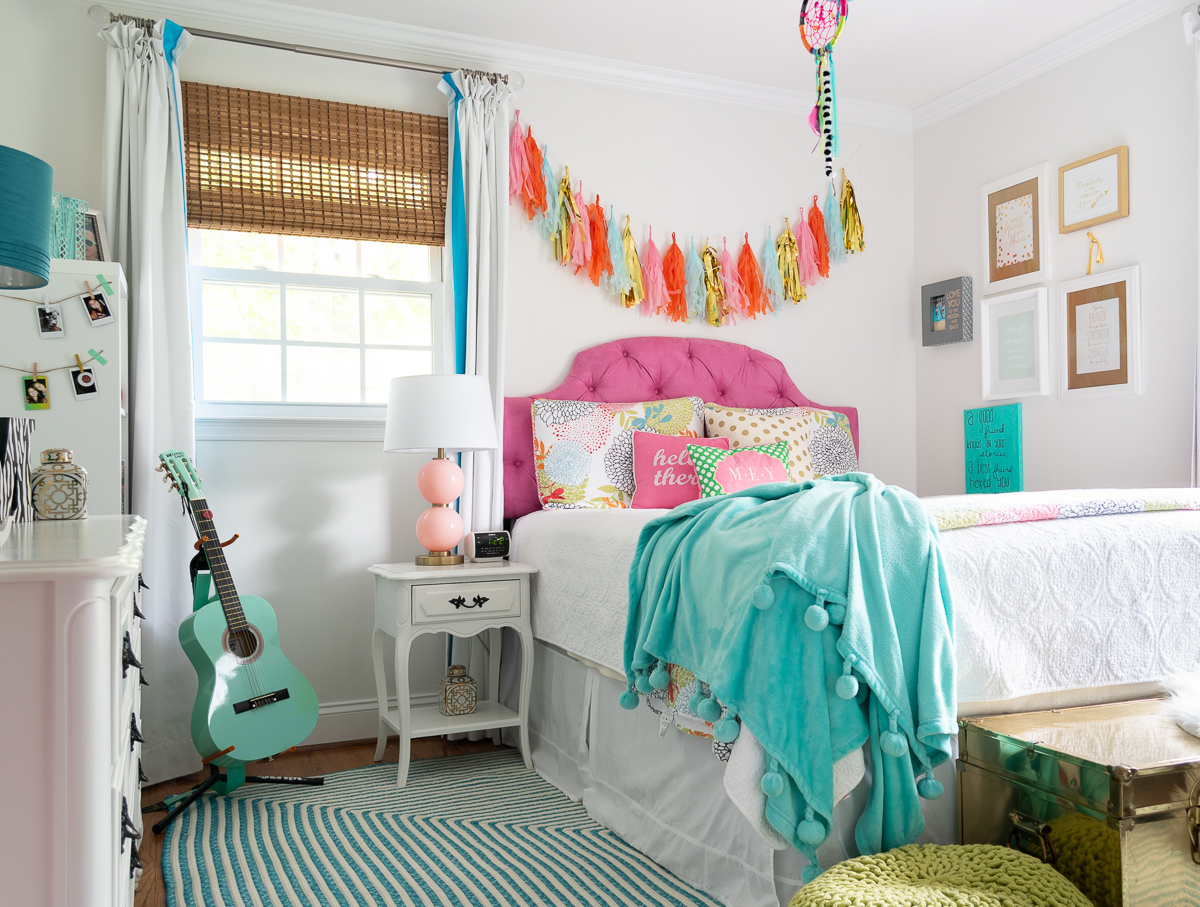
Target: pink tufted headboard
[(649, 368)]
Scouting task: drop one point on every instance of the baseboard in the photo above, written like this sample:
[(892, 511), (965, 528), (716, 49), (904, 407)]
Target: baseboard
[(356, 719)]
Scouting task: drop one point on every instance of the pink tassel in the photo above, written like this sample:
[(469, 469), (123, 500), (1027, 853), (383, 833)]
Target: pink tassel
[(657, 299), (806, 260), (581, 251), (736, 302), (518, 161)]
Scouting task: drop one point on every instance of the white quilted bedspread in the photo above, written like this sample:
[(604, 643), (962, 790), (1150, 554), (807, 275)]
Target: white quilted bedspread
[(1040, 607)]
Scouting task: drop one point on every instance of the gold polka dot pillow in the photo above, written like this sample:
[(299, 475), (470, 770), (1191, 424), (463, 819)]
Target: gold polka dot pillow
[(819, 440)]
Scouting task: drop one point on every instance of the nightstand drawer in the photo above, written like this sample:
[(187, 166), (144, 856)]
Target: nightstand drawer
[(465, 601)]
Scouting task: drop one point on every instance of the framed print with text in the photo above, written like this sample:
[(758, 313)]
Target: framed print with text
[(1015, 344), (1094, 190), (1101, 334), (1015, 241)]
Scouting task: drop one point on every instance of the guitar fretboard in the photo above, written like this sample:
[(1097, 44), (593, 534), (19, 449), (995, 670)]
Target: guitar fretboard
[(210, 542)]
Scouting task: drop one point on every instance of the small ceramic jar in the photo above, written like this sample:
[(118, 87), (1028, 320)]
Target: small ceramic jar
[(459, 693), (59, 487)]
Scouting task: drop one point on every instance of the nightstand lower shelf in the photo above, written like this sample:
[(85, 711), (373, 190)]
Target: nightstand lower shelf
[(427, 721)]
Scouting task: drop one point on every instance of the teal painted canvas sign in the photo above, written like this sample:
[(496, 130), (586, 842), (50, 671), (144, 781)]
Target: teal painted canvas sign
[(992, 442)]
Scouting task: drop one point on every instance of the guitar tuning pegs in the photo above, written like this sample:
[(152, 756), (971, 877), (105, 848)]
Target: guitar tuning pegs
[(158, 468), (166, 479)]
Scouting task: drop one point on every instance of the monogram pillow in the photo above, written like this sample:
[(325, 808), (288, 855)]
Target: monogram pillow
[(583, 450), (725, 471), (819, 440)]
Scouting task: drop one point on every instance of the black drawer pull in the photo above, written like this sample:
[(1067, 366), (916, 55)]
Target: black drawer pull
[(135, 736), (479, 600), (137, 612), (135, 862), (141, 774), (128, 659), (459, 601), (129, 831)]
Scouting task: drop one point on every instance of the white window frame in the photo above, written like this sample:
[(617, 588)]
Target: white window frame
[(282, 420)]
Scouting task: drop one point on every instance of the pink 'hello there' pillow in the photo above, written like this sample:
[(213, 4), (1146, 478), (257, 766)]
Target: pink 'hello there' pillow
[(662, 470)]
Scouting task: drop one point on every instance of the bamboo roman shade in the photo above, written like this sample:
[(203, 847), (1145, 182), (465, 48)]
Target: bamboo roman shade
[(271, 163)]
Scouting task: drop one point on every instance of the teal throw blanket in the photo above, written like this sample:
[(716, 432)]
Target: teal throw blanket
[(818, 614)]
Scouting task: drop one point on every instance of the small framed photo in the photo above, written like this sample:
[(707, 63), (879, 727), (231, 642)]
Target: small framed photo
[(83, 383), (1016, 348), (95, 237), (1015, 242), (1101, 334), (1094, 190), (50, 321), (947, 312), (37, 392), (97, 307)]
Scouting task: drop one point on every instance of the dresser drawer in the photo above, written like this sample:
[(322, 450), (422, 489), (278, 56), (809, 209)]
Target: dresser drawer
[(465, 601)]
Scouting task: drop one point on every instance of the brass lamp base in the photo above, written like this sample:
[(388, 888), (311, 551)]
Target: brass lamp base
[(438, 559)]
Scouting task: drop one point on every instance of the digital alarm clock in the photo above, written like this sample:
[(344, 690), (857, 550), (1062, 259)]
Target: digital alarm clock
[(486, 546)]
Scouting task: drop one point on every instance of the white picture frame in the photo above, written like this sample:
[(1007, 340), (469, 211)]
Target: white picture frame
[(1014, 233), (1015, 344), (1111, 301)]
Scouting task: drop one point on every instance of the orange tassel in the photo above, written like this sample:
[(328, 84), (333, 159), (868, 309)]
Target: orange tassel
[(816, 222), (535, 196), (752, 281), (600, 263), (673, 274)]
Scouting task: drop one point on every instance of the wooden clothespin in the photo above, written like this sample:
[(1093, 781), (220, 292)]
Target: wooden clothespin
[(87, 286), (35, 374), (78, 362)]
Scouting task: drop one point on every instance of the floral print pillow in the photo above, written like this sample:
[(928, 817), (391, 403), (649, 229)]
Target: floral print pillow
[(584, 449), (819, 440)]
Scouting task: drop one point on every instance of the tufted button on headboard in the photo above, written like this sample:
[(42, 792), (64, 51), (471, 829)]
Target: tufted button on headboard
[(649, 368)]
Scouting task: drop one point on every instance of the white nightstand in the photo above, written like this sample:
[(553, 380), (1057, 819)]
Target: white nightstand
[(462, 600)]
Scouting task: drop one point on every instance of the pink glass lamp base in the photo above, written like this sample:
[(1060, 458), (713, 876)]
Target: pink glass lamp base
[(440, 528)]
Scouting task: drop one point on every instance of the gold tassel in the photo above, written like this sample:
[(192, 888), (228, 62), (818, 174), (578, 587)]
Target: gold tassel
[(633, 265), (715, 306), (788, 251), (567, 211), (852, 224)]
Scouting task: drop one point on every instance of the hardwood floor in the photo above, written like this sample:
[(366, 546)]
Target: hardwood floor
[(304, 761)]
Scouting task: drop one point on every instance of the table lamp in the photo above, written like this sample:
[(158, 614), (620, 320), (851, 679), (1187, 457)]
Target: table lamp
[(442, 413), (25, 208)]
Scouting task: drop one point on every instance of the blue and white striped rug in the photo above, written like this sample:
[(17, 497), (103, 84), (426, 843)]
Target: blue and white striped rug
[(470, 830)]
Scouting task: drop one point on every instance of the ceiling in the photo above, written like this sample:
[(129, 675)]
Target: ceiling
[(891, 52)]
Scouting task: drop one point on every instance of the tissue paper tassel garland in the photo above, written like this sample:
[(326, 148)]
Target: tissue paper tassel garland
[(633, 265), (816, 223), (581, 233), (696, 291), (852, 224), (752, 280), (567, 226), (657, 299), (772, 279), (736, 304), (600, 264), (535, 197), (714, 307), (789, 269), (833, 227), (619, 282), (548, 221), (806, 256), (518, 162), (675, 277)]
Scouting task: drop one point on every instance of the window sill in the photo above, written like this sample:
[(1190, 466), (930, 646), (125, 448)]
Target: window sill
[(273, 428)]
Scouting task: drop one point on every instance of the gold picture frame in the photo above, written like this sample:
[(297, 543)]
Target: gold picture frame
[(1101, 333), (1099, 183), (1014, 239)]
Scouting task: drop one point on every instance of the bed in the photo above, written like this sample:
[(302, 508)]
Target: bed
[(1052, 613)]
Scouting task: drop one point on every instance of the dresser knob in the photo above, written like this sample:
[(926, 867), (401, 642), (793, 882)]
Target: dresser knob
[(135, 736), (137, 612), (141, 774), (128, 659)]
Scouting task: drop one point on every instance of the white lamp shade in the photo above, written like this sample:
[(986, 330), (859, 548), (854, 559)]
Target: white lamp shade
[(426, 412)]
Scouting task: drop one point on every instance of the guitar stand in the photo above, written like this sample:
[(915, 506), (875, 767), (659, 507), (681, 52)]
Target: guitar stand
[(177, 803)]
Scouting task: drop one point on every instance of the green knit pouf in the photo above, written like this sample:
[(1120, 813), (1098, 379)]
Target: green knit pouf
[(933, 875)]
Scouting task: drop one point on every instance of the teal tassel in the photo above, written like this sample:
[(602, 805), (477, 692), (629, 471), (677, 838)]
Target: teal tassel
[(697, 699), (641, 680), (710, 710), (660, 678), (772, 279), (891, 741), (629, 700), (764, 596), (837, 614), (694, 290), (847, 685), (833, 227), (620, 281), (548, 221), (727, 729), (816, 617), (772, 781), (929, 787), (810, 831)]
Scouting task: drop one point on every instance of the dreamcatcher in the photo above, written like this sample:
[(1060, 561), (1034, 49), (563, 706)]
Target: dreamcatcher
[(821, 22)]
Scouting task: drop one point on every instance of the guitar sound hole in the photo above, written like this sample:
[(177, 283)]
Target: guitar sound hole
[(245, 645)]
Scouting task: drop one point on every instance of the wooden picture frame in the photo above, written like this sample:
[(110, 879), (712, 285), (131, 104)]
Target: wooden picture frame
[(1014, 241), (1100, 318), (1015, 344), (1094, 190), (95, 237)]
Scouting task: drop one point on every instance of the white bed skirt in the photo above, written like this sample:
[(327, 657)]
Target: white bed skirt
[(665, 794)]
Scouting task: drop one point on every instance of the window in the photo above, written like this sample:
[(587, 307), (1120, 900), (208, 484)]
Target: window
[(314, 243), (309, 320)]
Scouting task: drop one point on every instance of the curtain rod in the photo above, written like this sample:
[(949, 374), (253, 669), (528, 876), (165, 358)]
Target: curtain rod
[(101, 16)]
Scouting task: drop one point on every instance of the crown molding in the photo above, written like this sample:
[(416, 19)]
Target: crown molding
[(280, 21), (1098, 32)]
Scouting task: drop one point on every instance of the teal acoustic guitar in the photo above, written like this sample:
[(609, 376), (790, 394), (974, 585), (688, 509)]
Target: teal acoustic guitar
[(251, 698)]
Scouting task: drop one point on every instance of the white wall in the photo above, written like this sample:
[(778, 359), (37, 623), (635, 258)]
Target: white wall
[(314, 514), (1137, 92)]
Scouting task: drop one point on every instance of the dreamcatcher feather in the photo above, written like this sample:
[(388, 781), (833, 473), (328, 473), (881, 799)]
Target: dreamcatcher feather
[(821, 23)]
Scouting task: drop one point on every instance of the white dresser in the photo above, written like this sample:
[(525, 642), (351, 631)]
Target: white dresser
[(68, 766)]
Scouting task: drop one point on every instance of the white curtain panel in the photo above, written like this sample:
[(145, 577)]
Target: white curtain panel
[(147, 222), (1191, 31), (481, 131)]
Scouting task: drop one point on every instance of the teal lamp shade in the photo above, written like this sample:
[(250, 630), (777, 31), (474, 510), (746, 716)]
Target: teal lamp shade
[(25, 205)]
